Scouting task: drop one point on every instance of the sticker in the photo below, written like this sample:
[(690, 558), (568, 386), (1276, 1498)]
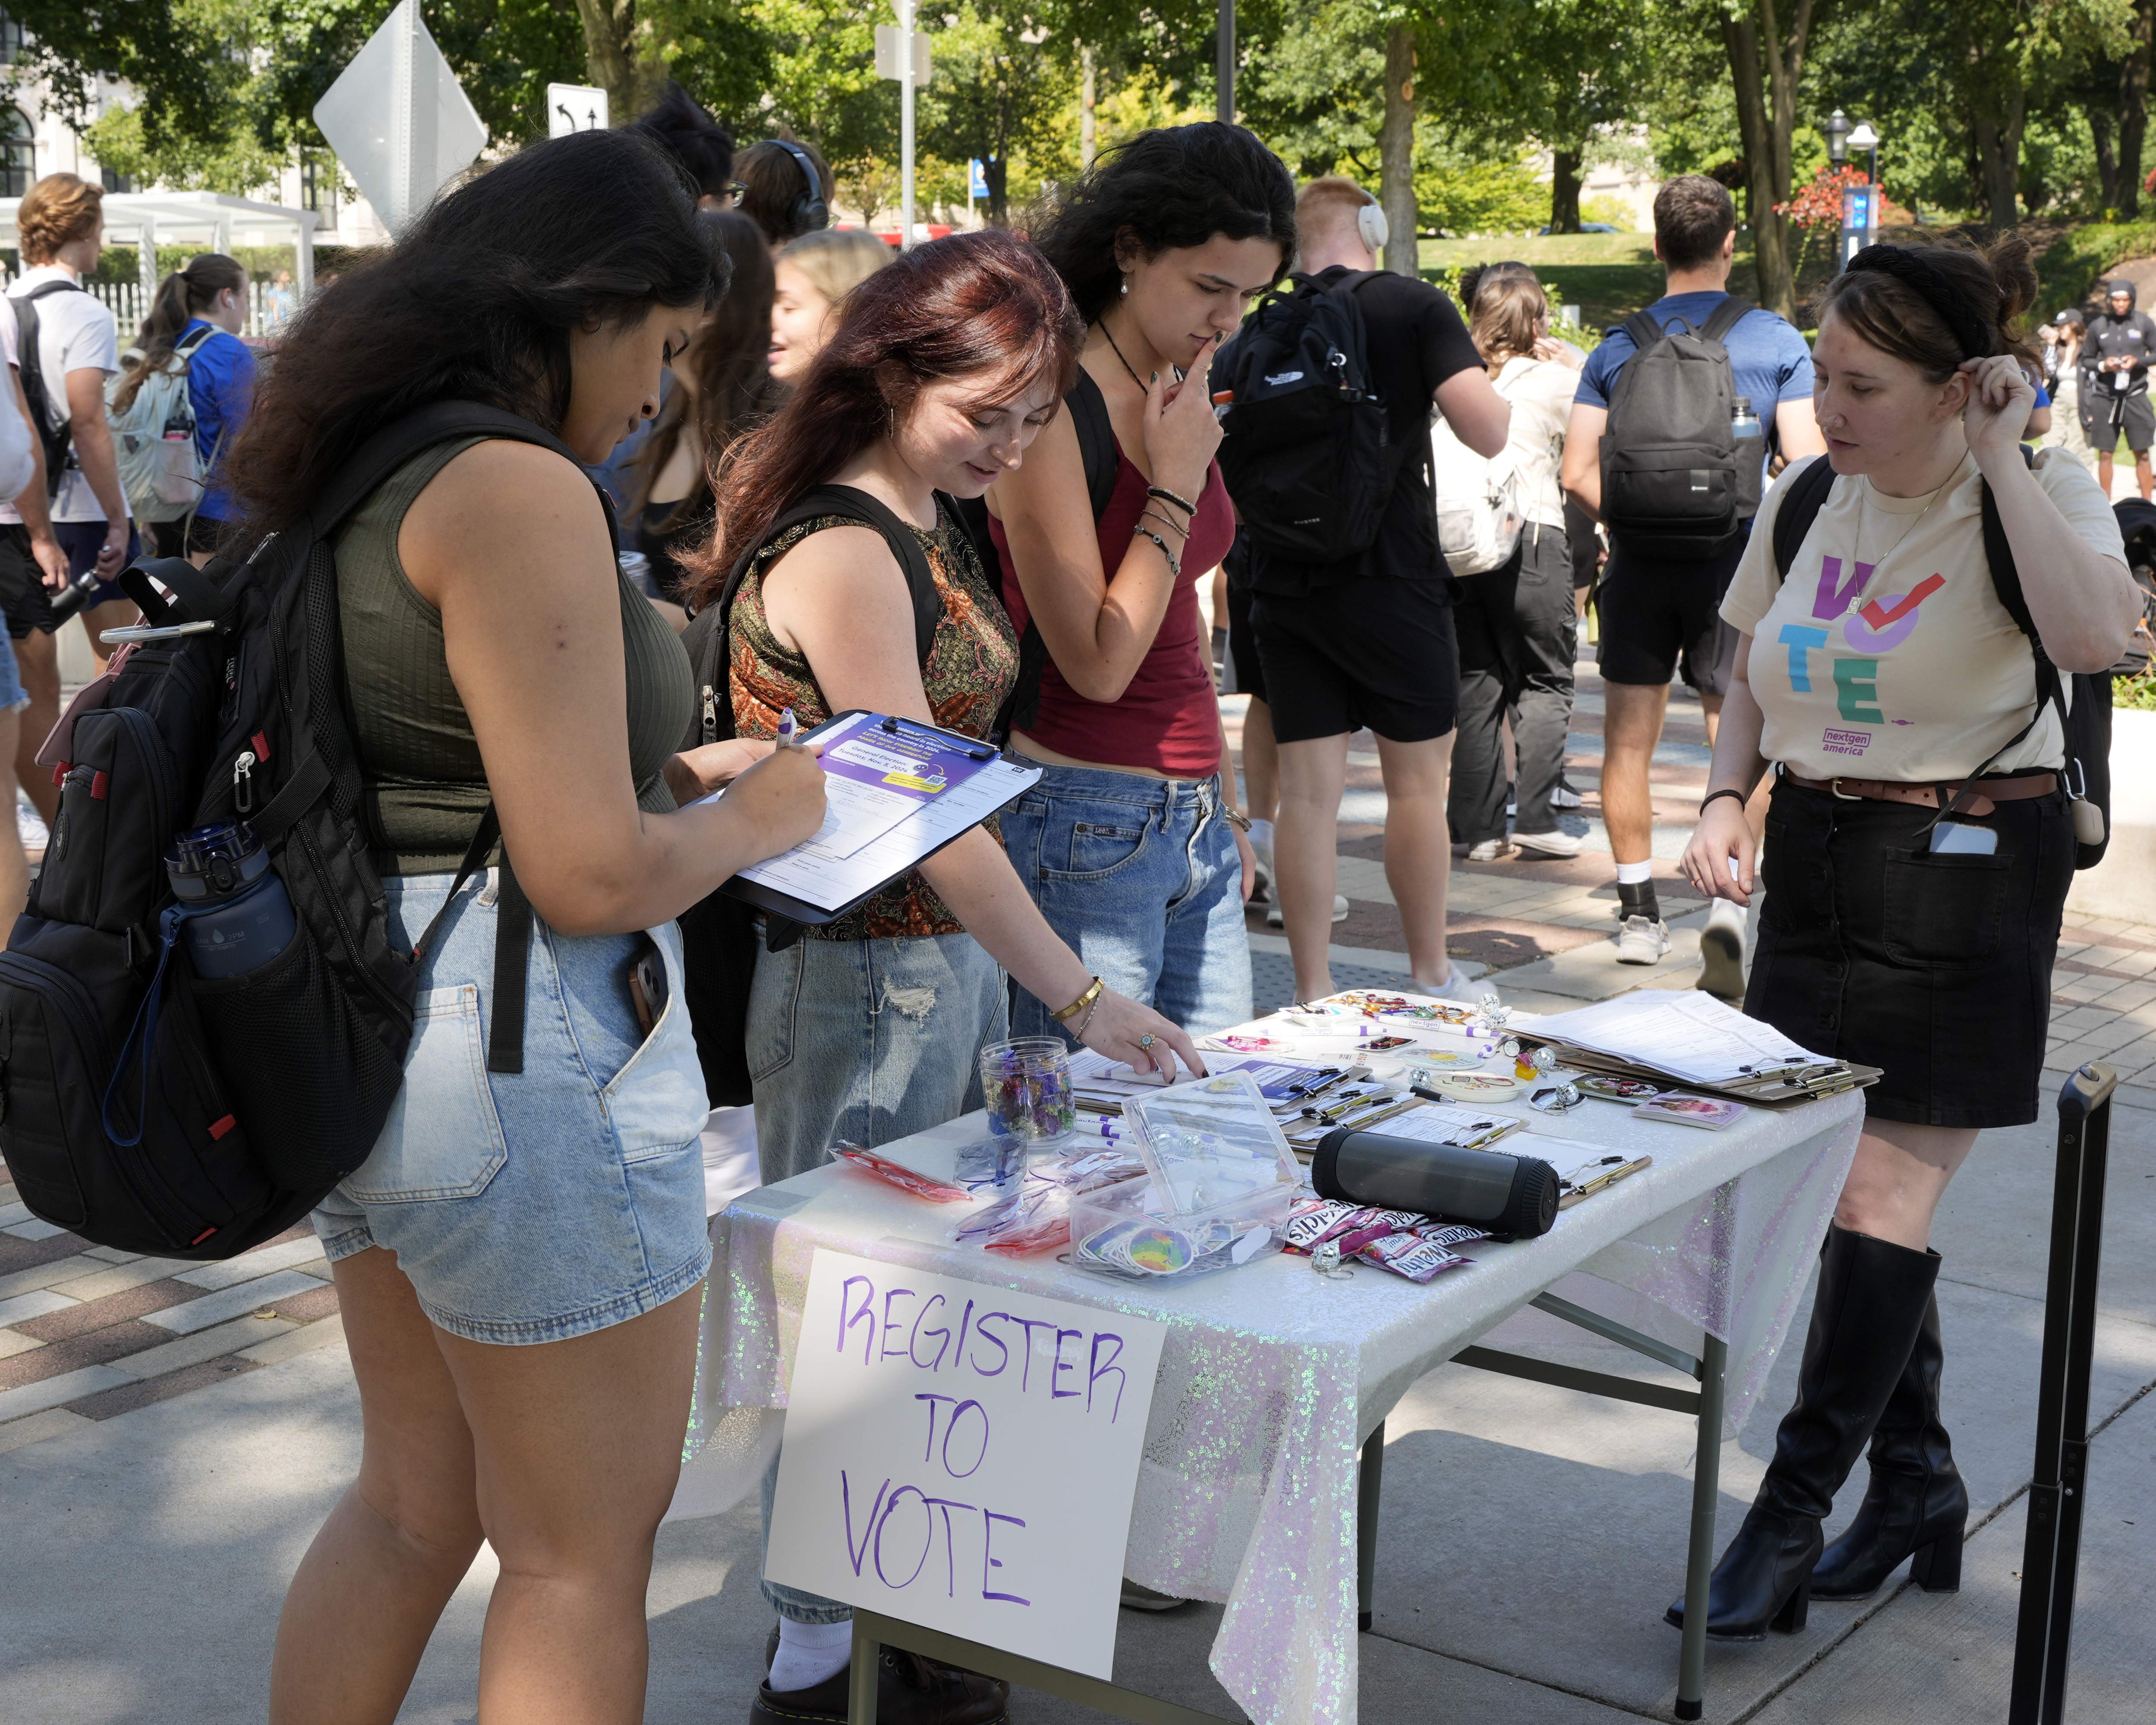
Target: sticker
[(1706, 1112), (1475, 1087)]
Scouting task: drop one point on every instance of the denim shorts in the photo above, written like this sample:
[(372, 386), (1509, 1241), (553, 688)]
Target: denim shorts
[(1141, 877), (537, 1206), (13, 696)]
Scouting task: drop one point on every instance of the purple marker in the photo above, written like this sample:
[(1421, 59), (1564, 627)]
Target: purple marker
[(786, 728)]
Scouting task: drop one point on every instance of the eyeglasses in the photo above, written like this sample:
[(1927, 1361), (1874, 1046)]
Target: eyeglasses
[(736, 190)]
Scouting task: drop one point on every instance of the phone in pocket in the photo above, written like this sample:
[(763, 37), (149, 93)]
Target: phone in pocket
[(1954, 838), (647, 990)]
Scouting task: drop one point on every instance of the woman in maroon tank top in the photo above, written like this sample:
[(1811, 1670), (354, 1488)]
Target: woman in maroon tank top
[(1130, 843)]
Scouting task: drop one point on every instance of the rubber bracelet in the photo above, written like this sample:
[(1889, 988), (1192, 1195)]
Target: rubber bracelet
[(1080, 1003), (1726, 791), (1167, 522), (1167, 496), (1175, 564)]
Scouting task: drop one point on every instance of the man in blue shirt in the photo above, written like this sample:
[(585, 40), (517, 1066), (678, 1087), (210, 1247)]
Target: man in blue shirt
[(1659, 615)]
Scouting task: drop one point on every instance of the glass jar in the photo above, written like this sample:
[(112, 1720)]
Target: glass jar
[(1026, 1085)]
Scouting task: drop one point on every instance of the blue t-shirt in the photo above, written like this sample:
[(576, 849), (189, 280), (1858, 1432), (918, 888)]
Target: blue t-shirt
[(1771, 361), (220, 386)]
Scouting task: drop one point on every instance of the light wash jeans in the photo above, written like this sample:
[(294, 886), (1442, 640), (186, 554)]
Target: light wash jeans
[(1141, 877), (869, 1040)]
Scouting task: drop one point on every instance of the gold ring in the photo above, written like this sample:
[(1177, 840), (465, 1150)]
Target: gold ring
[(1145, 1042)]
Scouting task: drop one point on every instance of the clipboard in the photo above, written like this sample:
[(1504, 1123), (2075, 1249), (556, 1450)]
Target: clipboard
[(1000, 780), (1788, 1088)]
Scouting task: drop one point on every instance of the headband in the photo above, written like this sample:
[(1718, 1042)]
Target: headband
[(1936, 288)]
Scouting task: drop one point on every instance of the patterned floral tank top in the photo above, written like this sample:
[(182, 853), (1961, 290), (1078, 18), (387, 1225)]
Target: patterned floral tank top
[(973, 662)]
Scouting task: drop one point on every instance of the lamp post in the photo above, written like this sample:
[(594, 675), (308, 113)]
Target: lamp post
[(1837, 137)]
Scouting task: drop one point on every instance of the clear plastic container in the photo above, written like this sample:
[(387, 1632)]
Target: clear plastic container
[(1025, 1086), (1122, 1232)]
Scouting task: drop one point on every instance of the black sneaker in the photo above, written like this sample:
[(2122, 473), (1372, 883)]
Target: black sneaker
[(909, 1691)]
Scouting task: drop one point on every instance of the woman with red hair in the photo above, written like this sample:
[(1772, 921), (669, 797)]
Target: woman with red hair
[(943, 369)]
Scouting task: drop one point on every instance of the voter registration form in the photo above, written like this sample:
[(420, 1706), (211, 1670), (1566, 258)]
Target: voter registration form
[(896, 792)]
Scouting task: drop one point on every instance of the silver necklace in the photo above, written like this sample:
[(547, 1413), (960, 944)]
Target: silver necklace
[(1863, 500)]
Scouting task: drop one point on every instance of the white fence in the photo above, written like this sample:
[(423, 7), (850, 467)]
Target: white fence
[(130, 304)]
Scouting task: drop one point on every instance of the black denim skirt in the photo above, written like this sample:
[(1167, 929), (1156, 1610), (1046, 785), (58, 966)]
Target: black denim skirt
[(1936, 968)]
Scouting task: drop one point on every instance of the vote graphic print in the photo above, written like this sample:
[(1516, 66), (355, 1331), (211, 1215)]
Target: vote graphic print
[(1871, 630), (963, 1457)]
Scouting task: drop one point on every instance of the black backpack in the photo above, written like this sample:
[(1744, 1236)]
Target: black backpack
[(141, 1108), (718, 933), (58, 439), (1672, 486), (1306, 452), (2087, 724)]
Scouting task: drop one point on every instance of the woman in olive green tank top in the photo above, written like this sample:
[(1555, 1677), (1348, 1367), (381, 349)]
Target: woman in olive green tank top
[(518, 1259)]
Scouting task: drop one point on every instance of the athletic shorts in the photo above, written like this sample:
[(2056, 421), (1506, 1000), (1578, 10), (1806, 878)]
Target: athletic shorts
[(2106, 415), (1379, 651), (22, 589), (1659, 617)]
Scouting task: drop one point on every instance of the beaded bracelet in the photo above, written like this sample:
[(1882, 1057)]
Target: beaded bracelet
[(1080, 1033), (1167, 496), (1175, 564)]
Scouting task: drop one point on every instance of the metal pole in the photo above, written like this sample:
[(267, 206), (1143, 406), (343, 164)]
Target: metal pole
[(1699, 1561), (905, 124), (861, 1690), (1224, 69)]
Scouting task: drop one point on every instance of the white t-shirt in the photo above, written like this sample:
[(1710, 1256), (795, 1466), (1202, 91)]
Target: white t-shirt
[(75, 333), (18, 460), (1540, 393), (1908, 668)]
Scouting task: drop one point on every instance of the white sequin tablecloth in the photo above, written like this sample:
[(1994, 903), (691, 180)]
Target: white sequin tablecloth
[(1272, 1376)]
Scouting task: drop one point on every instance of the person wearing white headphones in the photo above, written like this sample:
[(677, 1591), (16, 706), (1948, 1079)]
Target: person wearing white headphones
[(1368, 639)]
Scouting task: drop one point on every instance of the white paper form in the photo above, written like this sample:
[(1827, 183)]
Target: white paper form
[(1684, 1033), (873, 779), (827, 881)]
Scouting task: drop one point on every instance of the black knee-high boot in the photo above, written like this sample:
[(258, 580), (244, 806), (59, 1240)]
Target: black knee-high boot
[(1871, 1300), (1916, 1505)]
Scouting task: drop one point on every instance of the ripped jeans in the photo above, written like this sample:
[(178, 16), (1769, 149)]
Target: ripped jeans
[(869, 1040)]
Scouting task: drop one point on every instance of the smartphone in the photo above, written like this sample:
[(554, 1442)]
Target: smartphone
[(1954, 838), (647, 990), (1389, 1042)]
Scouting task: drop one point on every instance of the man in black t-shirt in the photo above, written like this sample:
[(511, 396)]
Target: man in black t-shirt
[(1368, 640)]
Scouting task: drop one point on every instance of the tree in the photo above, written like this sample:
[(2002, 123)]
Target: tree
[(1396, 152), (997, 90), (1766, 52)]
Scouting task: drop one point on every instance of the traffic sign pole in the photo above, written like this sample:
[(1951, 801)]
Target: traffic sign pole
[(906, 123)]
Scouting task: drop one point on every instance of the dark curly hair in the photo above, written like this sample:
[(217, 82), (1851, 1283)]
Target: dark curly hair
[(476, 302), (696, 140), (1173, 187)]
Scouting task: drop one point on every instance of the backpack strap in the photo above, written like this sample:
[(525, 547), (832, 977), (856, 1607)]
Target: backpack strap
[(1645, 332), (57, 439), (1800, 505), (1727, 316)]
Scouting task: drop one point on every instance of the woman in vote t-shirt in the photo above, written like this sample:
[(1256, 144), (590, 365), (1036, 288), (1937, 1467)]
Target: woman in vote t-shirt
[(1918, 848)]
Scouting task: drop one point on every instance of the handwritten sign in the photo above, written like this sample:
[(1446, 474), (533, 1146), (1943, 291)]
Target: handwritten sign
[(963, 1457)]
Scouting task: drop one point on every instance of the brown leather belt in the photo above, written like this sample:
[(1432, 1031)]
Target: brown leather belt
[(1995, 791)]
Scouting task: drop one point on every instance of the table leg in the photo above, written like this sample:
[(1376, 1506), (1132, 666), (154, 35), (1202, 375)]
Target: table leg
[(1368, 1484), (1699, 1563), (868, 1660)]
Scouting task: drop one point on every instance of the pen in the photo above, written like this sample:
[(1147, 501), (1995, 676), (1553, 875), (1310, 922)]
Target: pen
[(786, 728)]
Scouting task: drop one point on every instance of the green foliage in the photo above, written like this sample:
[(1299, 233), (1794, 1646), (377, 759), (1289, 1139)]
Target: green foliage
[(2134, 694), (1614, 211), (1458, 195), (2071, 266)]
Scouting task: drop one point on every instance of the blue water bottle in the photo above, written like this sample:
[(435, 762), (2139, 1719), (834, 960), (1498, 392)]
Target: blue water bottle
[(238, 914)]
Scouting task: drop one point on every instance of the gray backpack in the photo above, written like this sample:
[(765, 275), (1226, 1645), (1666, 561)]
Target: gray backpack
[(1673, 488)]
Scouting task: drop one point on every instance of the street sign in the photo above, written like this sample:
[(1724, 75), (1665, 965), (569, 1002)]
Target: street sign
[(575, 107), (401, 125), (889, 56), (977, 179)]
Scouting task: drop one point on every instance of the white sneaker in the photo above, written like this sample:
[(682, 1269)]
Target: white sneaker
[(1277, 918), (1490, 850), (1458, 989), (1640, 941), (1552, 843), (1721, 947)]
